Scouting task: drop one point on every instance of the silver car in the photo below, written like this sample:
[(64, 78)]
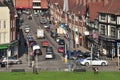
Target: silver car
[(12, 60)]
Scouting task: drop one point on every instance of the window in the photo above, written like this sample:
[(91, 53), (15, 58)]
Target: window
[(0, 37), (113, 18), (5, 36), (36, 4), (4, 24), (102, 16), (112, 32), (102, 30), (0, 24)]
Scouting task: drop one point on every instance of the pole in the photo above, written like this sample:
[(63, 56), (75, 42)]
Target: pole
[(36, 60), (69, 63), (91, 53), (118, 54)]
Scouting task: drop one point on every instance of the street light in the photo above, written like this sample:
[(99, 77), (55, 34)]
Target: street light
[(8, 54), (69, 63)]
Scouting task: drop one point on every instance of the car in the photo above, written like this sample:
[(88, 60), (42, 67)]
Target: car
[(27, 29), (79, 53), (11, 60), (47, 27), (54, 34), (49, 55), (45, 43), (61, 49), (70, 55), (61, 42), (31, 41), (94, 61), (88, 54), (43, 20), (49, 49), (57, 39)]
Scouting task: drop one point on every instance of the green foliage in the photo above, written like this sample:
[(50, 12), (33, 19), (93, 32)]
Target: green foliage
[(59, 76)]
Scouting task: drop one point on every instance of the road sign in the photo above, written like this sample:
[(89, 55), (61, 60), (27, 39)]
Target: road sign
[(118, 44)]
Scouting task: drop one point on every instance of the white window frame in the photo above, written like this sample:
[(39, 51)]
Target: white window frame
[(4, 24), (5, 36), (112, 30), (0, 37), (102, 16), (0, 24), (102, 29)]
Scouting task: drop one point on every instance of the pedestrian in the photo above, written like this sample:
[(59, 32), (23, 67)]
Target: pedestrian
[(95, 69)]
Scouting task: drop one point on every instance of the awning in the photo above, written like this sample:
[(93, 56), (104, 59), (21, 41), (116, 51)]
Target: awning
[(4, 46)]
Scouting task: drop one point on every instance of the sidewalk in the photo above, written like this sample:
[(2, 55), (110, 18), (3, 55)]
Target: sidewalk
[(53, 28)]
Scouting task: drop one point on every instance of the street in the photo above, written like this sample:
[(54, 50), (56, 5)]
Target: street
[(56, 64)]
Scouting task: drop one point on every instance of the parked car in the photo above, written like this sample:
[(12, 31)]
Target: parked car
[(79, 53), (57, 39), (94, 61), (61, 49), (49, 49), (49, 53), (61, 42), (54, 34), (27, 29), (47, 27), (12, 60), (88, 54), (70, 55), (45, 43), (43, 20)]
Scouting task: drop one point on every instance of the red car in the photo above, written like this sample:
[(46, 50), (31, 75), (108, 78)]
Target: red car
[(61, 49), (45, 43)]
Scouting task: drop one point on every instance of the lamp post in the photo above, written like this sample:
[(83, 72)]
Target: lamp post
[(8, 54), (69, 63)]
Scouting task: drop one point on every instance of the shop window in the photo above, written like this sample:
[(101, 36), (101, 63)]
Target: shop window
[(113, 18), (112, 32), (102, 30), (102, 16)]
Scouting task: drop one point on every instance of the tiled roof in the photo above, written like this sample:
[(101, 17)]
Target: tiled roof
[(23, 3), (1, 4), (44, 4), (94, 8), (114, 7)]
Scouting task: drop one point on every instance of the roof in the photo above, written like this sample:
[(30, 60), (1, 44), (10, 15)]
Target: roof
[(93, 10), (114, 7), (44, 4), (24, 4)]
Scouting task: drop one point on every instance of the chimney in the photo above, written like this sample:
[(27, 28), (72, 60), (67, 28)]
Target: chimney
[(106, 2), (2, 1), (80, 2), (65, 6)]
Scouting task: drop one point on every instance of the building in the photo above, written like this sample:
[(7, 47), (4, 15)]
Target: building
[(31, 5), (8, 40)]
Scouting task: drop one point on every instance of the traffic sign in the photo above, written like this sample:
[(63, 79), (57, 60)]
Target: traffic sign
[(118, 44)]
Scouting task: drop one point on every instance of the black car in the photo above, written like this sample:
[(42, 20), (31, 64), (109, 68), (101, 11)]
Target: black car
[(54, 34), (79, 53), (49, 49), (88, 54), (61, 42)]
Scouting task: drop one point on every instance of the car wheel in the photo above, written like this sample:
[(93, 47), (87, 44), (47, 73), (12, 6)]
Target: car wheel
[(103, 64), (86, 64), (18, 62)]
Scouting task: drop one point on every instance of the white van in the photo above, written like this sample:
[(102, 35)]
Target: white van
[(37, 50)]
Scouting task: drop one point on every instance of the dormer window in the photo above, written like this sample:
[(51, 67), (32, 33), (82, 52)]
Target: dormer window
[(102, 16), (113, 18)]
